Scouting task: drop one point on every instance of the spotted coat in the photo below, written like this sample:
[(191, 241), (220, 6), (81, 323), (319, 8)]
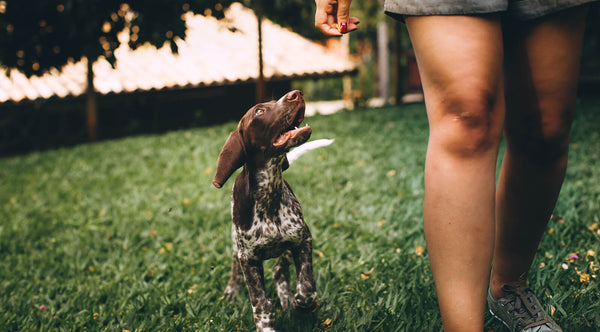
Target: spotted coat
[(277, 229), (267, 218)]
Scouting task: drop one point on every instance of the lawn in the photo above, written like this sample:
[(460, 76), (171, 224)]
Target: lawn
[(131, 235)]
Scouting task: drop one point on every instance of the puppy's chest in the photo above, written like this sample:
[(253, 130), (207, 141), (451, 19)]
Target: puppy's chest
[(273, 230)]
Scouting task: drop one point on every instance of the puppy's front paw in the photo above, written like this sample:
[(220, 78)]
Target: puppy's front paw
[(305, 302)]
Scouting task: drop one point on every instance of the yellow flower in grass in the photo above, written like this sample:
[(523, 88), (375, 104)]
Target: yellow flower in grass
[(419, 250), (584, 277), (366, 275), (192, 290), (167, 247)]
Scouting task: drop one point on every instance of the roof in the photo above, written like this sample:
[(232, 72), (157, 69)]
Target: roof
[(214, 52)]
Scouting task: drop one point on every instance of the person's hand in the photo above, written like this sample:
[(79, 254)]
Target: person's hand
[(333, 17)]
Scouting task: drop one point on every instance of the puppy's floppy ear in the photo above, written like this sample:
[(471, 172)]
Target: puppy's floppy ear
[(230, 159)]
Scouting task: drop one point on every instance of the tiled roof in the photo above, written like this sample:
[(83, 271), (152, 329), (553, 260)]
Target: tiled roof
[(214, 52)]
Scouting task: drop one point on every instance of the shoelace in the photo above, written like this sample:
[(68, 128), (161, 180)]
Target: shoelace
[(524, 306)]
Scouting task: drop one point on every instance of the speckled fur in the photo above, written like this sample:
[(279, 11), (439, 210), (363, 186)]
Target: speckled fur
[(277, 230), (268, 223)]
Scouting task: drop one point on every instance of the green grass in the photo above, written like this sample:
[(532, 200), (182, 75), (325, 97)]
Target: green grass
[(131, 235)]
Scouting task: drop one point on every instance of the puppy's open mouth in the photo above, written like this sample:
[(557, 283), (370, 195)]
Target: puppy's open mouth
[(292, 131)]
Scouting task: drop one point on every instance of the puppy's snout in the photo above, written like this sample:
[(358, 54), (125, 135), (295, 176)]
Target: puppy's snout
[(295, 95)]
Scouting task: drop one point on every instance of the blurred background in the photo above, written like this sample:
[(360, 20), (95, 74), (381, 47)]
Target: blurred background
[(80, 71)]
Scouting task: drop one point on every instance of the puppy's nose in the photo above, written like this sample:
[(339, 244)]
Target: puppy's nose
[(295, 95)]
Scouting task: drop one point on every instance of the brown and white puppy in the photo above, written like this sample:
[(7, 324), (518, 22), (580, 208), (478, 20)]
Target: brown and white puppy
[(267, 218)]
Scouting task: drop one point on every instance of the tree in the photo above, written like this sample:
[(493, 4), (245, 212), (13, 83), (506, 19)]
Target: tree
[(41, 34), (38, 35)]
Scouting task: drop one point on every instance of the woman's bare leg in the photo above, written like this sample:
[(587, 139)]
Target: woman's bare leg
[(542, 67), (460, 62)]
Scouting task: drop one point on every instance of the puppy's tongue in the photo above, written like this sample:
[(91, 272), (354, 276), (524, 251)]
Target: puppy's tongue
[(282, 138), (279, 141)]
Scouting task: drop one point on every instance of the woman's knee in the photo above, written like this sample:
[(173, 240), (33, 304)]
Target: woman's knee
[(541, 133), (467, 123)]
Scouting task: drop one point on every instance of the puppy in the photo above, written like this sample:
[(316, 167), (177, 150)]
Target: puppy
[(267, 218)]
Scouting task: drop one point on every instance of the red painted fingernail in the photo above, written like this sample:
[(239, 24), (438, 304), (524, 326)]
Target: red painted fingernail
[(344, 27)]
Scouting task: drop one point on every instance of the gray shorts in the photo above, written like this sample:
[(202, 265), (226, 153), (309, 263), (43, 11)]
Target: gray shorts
[(517, 9)]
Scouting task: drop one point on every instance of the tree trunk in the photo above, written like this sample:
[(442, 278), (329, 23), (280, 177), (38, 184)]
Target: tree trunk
[(383, 59), (91, 108), (400, 74), (260, 83), (348, 94)]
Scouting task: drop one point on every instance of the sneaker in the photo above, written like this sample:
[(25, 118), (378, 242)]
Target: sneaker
[(521, 311)]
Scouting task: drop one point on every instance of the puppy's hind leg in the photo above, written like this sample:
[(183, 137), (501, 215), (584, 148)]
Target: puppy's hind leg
[(237, 278), (281, 277)]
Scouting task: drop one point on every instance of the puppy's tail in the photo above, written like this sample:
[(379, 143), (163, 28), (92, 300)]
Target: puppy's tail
[(304, 148)]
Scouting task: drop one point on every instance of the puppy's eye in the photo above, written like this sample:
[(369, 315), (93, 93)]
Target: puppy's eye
[(259, 111)]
